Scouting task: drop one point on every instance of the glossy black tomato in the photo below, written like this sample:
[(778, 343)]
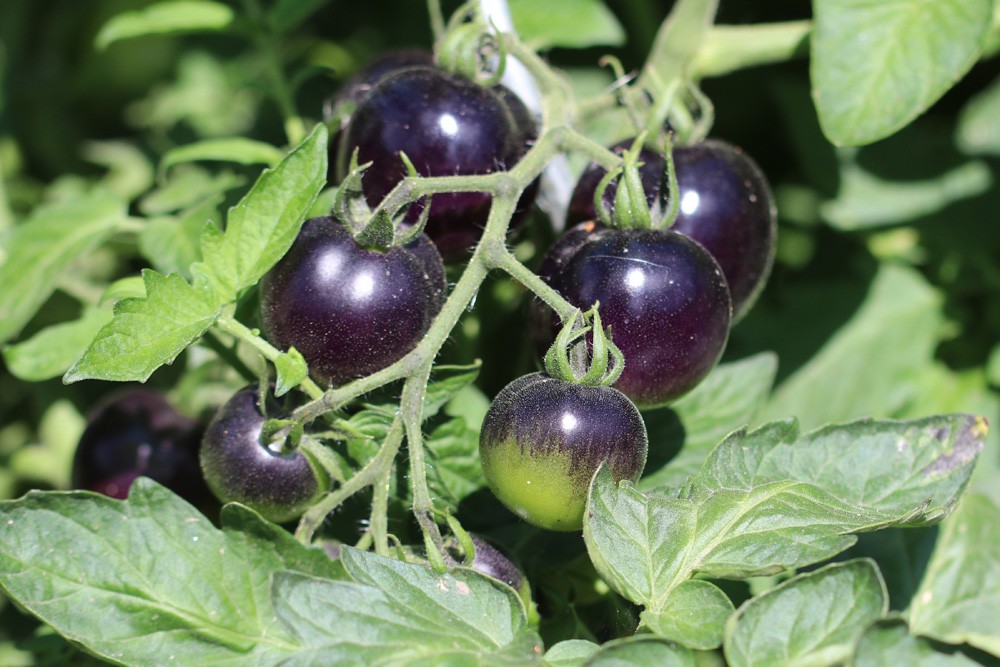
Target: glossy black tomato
[(543, 439), (239, 467), (662, 294), (725, 204), (139, 433), (355, 89), (447, 125), (350, 310)]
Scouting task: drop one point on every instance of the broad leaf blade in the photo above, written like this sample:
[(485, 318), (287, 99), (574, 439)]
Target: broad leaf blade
[(51, 351), (162, 18), (166, 582), (868, 368), (693, 615), (149, 332), (401, 613), (643, 652), (43, 247), (959, 598), (815, 618), (912, 470), (263, 225), (878, 65), (728, 399), (978, 131), (889, 642), (229, 149), (569, 23)]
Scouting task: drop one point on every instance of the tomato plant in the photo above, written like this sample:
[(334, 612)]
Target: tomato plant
[(770, 225)]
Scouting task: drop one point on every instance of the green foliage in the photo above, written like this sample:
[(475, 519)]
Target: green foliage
[(158, 158), (864, 80)]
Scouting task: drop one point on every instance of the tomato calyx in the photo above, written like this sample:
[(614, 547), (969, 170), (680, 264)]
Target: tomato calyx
[(632, 209), (567, 357)]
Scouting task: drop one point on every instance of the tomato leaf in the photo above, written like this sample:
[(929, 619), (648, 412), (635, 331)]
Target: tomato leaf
[(262, 226), (977, 130), (814, 618), (959, 598), (878, 65), (147, 332), (642, 651), (569, 23), (401, 613), (229, 149), (41, 249), (453, 454), (773, 499), (694, 615), (161, 18), (51, 351), (728, 399), (889, 642), (166, 582)]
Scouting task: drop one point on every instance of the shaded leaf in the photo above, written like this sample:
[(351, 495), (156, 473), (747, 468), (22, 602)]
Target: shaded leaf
[(229, 149), (959, 598), (175, 16), (814, 618), (978, 131), (890, 643), (44, 246), (694, 615), (642, 652), (569, 23), (51, 351), (728, 399)]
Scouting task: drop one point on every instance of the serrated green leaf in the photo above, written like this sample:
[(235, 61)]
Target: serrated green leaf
[(51, 351), (694, 615), (401, 614), (643, 652), (171, 243), (166, 582), (175, 16), (773, 500), (866, 201), (446, 383), (911, 470), (228, 149), (814, 618), (978, 131), (959, 598), (876, 66), (869, 367), (263, 225), (569, 23), (43, 247), (149, 332), (728, 399), (889, 642), (291, 369), (123, 288)]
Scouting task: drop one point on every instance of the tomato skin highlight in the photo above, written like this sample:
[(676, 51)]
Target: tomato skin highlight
[(543, 439)]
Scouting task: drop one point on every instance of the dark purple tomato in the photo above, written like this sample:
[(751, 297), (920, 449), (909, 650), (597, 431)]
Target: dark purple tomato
[(447, 125), (355, 89), (725, 204), (350, 310), (138, 433), (543, 439), (663, 296), (240, 468)]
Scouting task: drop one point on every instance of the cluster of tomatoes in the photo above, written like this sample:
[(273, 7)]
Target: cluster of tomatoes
[(667, 295)]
